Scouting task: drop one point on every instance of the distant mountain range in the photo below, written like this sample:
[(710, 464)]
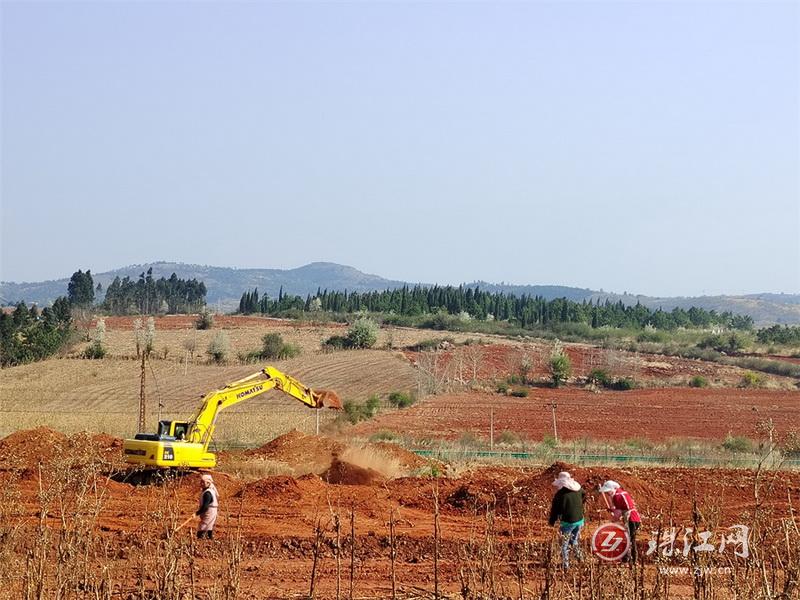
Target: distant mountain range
[(225, 286)]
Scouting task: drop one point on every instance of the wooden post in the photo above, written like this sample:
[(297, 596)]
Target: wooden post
[(491, 429), (142, 402), (352, 549), (555, 430), (393, 554), (436, 535)]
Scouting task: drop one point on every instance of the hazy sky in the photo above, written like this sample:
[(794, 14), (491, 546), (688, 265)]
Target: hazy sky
[(647, 147)]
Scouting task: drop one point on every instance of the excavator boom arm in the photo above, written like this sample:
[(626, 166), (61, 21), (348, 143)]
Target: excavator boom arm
[(202, 424)]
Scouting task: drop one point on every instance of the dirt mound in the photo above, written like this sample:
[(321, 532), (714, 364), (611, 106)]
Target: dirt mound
[(285, 488), (403, 457), (27, 448), (345, 473), (298, 450), (304, 452)]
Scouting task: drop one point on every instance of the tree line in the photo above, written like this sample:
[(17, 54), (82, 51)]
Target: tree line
[(148, 295), (527, 312), (28, 334), (778, 334)]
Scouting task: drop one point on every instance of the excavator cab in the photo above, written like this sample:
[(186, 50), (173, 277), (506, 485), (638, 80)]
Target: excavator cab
[(168, 431)]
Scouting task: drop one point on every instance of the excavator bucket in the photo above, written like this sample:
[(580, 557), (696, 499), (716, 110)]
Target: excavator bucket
[(327, 399)]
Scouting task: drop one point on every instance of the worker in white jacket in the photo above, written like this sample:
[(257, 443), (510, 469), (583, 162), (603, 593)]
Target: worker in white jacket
[(209, 504)]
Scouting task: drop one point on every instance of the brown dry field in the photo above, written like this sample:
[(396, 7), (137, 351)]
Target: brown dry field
[(74, 395), (244, 334), (656, 414), (485, 514), (277, 493)]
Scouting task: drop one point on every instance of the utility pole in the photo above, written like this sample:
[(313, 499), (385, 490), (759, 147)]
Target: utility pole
[(491, 429), (555, 431), (142, 402)]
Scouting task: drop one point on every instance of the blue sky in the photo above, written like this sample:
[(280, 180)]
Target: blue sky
[(641, 147)]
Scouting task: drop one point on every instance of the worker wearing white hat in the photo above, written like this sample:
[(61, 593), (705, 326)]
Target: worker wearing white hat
[(567, 507), (623, 509), (209, 504)]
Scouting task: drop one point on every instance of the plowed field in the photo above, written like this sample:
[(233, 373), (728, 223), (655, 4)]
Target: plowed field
[(73, 395), (272, 521), (654, 414)]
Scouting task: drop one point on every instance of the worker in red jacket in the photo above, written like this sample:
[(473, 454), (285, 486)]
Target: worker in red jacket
[(623, 509)]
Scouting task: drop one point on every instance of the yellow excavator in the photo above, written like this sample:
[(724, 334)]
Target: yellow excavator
[(185, 443)]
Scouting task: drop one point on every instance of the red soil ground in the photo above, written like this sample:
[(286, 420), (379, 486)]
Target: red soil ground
[(656, 414), (317, 453), (498, 361), (277, 515)]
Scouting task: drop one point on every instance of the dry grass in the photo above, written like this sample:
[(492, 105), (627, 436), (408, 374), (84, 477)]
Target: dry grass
[(170, 343), (75, 395)]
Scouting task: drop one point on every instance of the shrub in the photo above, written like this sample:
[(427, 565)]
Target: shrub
[(519, 393), (507, 438), (205, 320), (599, 377), (623, 384), (560, 368), (791, 445), (468, 439), (95, 351), (502, 388), (752, 380), (354, 413), (335, 342), (273, 347), (698, 381), (431, 344), (639, 443), (729, 343), (651, 335), (401, 399), (549, 441), (371, 406), (384, 435), (219, 347), (737, 444), (440, 321), (363, 333)]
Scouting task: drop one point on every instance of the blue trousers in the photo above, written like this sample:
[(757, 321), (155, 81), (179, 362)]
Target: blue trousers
[(570, 537)]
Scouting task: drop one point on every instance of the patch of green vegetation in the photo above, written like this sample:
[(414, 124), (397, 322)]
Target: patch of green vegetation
[(402, 399), (738, 444), (354, 413), (599, 377), (698, 381), (623, 384), (384, 435), (752, 380), (508, 438), (431, 344), (95, 351), (549, 441)]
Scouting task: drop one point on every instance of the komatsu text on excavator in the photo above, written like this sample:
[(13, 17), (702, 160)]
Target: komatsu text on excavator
[(185, 443)]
